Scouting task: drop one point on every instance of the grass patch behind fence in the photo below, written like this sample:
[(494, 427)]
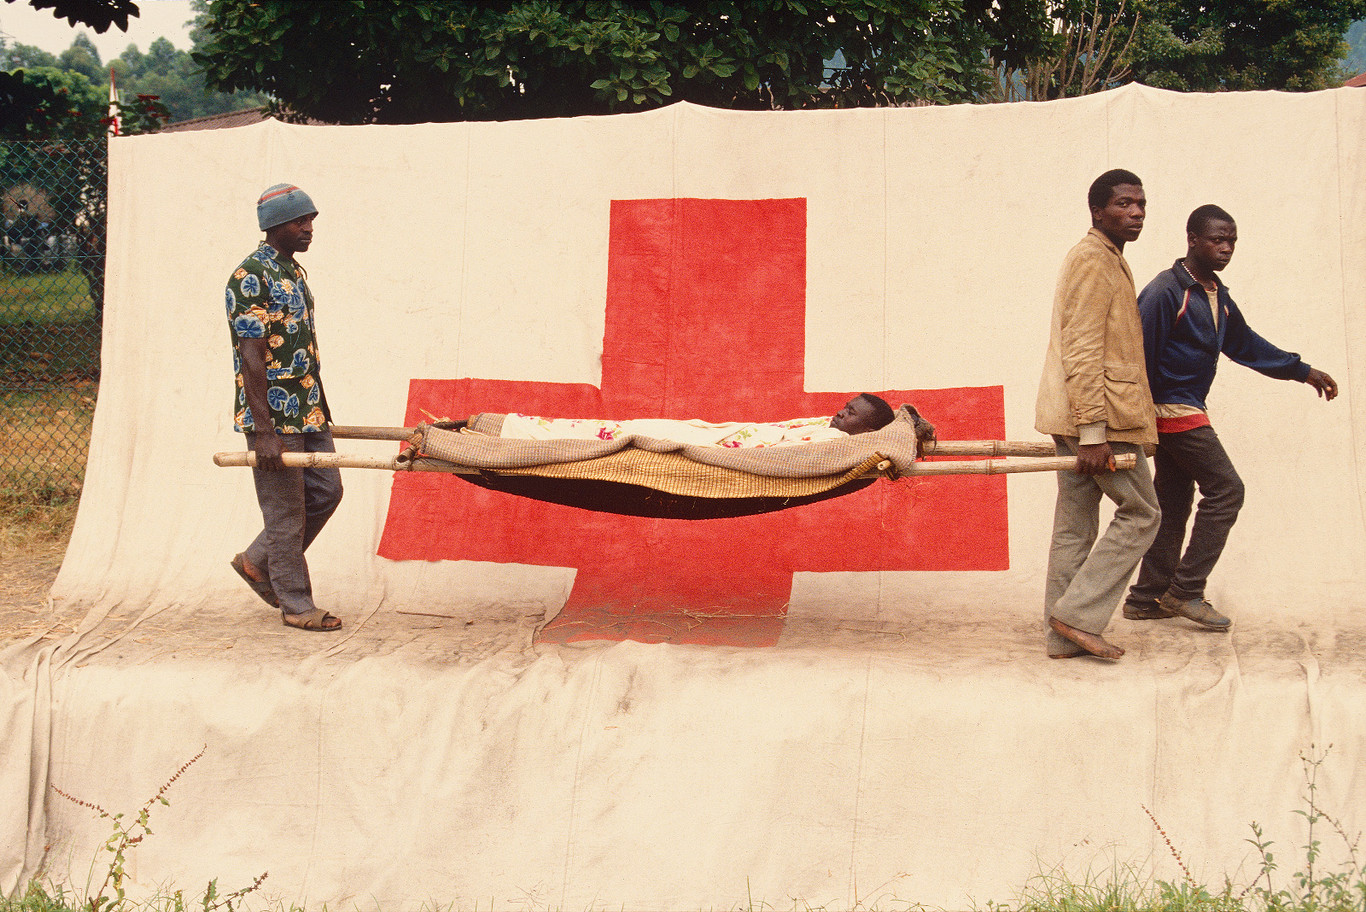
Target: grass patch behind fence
[(44, 443), (49, 328), (46, 297)]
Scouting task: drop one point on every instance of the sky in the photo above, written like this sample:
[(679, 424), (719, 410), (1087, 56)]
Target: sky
[(22, 24)]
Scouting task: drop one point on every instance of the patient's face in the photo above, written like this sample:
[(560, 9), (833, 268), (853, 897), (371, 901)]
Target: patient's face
[(855, 418)]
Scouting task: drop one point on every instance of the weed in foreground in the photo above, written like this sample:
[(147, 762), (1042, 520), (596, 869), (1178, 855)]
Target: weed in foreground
[(1120, 888), (38, 899), (1316, 887), (125, 837), (1312, 889)]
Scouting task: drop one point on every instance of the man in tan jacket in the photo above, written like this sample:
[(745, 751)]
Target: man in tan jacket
[(1094, 401)]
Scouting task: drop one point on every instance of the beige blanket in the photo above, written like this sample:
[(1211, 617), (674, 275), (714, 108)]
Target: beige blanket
[(481, 447)]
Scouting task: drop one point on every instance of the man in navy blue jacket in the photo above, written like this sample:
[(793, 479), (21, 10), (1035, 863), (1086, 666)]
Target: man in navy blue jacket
[(1188, 319)]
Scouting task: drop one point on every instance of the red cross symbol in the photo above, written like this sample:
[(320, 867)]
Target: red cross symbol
[(706, 316)]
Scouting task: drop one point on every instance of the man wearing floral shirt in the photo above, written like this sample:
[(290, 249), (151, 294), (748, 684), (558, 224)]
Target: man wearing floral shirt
[(281, 407)]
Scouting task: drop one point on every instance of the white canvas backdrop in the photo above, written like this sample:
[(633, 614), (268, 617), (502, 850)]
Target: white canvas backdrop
[(934, 236), (453, 250)]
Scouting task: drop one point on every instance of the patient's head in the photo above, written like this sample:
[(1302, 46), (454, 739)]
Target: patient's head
[(862, 414)]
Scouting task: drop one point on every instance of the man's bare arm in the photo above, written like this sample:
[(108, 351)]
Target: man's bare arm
[(255, 353)]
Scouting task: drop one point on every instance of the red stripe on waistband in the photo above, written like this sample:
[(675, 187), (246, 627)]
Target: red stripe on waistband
[(1184, 423)]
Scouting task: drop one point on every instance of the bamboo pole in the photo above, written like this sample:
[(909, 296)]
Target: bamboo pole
[(238, 459), (989, 448), (358, 432), (390, 464), (1010, 466)]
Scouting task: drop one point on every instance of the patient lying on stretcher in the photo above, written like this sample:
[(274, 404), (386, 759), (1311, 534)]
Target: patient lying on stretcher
[(860, 415)]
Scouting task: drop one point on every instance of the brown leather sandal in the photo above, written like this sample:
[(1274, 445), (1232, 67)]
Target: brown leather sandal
[(317, 619)]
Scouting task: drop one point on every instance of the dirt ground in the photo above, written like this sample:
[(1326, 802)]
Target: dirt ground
[(26, 576)]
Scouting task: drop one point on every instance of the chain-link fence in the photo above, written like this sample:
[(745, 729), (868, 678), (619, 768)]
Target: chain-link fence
[(52, 212)]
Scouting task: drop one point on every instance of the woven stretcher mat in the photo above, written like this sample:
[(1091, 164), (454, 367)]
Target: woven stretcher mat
[(677, 474)]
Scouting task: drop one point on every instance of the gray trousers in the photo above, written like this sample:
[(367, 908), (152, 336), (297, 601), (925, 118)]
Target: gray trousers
[(295, 505), (1086, 577), (1184, 460)]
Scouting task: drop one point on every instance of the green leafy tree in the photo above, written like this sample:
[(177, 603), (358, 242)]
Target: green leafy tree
[(51, 102), (381, 61), (63, 120), (175, 79), (161, 56), (84, 58), (1086, 47), (1242, 44), (1217, 45), (24, 56)]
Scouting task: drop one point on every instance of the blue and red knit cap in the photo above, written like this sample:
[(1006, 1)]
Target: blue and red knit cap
[(282, 203)]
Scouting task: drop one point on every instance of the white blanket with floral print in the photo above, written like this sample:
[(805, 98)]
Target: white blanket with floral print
[(695, 432)]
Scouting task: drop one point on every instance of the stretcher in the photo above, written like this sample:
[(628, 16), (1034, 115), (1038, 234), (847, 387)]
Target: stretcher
[(670, 481)]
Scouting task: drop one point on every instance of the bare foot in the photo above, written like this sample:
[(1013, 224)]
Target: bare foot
[(252, 570), (1093, 643)]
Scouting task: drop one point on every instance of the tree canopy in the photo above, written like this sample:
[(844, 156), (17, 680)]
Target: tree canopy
[(380, 61), (1242, 44), (386, 61), (52, 102), (98, 14), (163, 71), (1213, 46)]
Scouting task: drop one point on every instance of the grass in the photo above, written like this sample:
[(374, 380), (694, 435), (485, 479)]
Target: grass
[(28, 524), (49, 330), (45, 297), (44, 439), (1313, 887), (44, 442), (49, 362)]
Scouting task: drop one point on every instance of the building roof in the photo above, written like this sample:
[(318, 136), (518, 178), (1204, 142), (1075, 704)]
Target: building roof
[(1358, 80), (243, 118)]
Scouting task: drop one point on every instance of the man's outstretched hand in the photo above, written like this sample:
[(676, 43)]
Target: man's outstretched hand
[(1325, 385)]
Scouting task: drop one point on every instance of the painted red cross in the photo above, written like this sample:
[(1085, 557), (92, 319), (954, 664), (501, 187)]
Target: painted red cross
[(706, 315)]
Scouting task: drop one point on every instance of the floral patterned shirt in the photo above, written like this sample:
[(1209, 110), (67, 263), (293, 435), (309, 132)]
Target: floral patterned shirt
[(268, 298)]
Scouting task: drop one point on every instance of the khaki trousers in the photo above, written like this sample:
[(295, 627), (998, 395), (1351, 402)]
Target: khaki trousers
[(1086, 577)]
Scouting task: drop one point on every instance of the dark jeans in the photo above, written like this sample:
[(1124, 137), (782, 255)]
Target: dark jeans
[(295, 505), (1184, 461)]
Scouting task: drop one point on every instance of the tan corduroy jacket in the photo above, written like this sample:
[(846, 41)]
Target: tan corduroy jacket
[(1094, 370)]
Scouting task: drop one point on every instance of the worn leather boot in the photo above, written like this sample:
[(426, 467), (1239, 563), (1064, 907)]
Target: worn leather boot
[(1150, 612), (1197, 609)]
